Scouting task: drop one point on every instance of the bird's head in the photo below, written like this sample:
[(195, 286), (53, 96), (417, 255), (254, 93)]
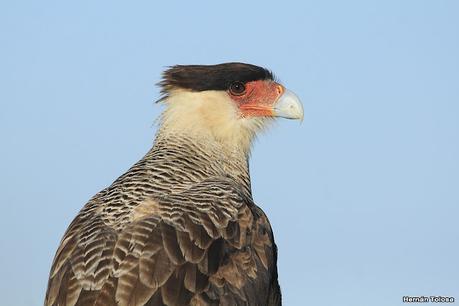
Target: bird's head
[(228, 102)]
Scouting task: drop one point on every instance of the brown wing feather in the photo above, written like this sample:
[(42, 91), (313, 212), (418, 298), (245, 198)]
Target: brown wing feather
[(218, 252)]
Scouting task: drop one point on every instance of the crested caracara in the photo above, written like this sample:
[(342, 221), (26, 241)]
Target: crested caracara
[(181, 227)]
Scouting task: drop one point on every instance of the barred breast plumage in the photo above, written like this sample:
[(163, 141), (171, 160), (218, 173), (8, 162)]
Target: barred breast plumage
[(179, 228)]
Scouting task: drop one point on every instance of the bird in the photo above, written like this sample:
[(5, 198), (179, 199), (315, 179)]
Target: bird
[(180, 227)]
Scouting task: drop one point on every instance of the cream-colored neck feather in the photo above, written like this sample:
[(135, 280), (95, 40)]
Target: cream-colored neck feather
[(211, 116)]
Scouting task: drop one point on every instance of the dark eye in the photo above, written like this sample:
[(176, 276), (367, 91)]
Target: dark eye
[(237, 88)]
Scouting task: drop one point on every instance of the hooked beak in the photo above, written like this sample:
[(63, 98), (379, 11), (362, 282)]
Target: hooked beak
[(289, 106), (270, 99)]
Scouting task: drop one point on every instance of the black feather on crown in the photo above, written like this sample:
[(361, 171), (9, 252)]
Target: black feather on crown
[(211, 77)]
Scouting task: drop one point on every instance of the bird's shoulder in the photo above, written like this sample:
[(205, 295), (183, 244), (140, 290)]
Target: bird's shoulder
[(206, 244)]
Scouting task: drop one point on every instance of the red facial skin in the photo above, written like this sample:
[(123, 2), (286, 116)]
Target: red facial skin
[(258, 98)]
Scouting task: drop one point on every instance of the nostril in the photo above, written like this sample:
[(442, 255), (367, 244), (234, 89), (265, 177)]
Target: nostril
[(280, 90)]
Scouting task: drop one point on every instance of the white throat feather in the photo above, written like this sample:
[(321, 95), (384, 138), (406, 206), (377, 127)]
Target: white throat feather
[(211, 116)]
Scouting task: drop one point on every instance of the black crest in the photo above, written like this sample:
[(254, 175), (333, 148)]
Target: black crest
[(211, 77)]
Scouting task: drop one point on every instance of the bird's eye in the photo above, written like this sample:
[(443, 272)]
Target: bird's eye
[(237, 88)]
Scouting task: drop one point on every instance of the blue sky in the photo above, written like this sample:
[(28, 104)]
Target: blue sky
[(363, 196)]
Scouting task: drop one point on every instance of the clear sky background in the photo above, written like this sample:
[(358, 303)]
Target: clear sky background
[(363, 196)]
